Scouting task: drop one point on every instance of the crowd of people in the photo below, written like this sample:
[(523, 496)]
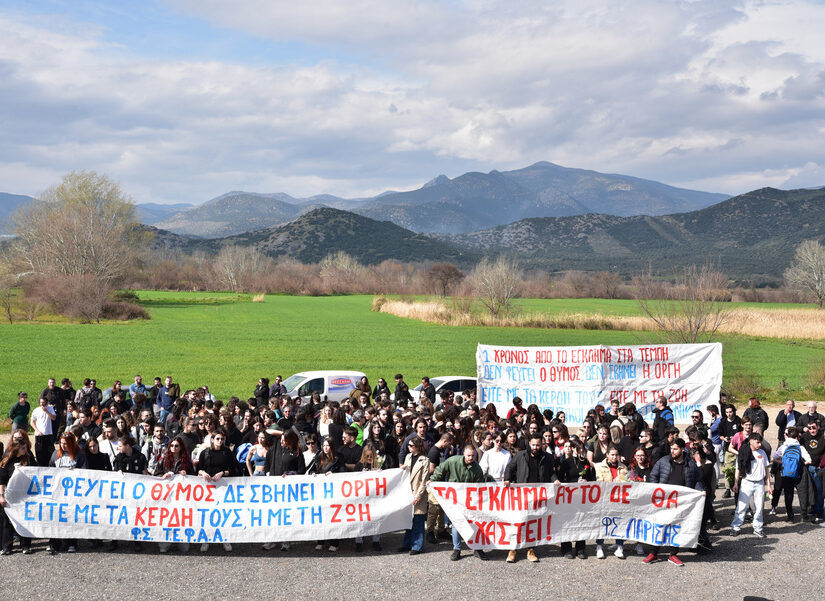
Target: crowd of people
[(161, 431)]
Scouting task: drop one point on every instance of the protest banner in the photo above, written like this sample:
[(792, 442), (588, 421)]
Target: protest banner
[(63, 503), (574, 379), (494, 516)]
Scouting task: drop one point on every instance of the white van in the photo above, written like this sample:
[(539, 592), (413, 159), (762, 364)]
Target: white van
[(335, 385)]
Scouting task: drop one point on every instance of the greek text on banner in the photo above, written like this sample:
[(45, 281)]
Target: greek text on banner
[(63, 503), (574, 379), (493, 516)]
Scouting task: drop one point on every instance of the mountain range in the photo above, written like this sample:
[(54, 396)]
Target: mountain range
[(751, 237), (467, 203)]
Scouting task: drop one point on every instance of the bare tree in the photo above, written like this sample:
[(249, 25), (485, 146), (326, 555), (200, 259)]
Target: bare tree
[(692, 310), (235, 267), (444, 277), (84, 226), (497, 284), (807, 271)]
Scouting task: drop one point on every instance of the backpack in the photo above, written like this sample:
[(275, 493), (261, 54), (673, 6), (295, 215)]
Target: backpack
[(792, 462), (88, 399)]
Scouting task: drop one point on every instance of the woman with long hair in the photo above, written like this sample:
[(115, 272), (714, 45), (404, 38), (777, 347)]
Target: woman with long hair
[(639, 466), (67, 456), (560, 436), (611, 470), (256, 457), (599, 451), (376, 436), (324, 420), (369, 461), (327, 462), (261, 392), (95, 459), (176, 459), (574, 467), (214, 463), (418, 466), (18, 453), (176, 462)]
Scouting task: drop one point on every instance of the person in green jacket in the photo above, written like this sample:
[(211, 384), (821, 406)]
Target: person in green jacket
[(19, 413), (460, 468)]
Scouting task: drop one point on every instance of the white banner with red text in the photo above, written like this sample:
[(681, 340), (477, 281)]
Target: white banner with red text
[(574, 379), (66, 503), (494, 516)]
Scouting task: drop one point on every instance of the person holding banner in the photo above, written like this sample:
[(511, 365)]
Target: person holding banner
[(214, 463), (530, 466), (418, 465), (68, 456), (574, 467), (611, 470), (460, 468), (19, 453), (679, 470), (327, 462)]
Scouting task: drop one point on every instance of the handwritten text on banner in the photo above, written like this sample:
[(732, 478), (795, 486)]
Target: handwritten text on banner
[(62, 503), (492, 516), (574, 379)]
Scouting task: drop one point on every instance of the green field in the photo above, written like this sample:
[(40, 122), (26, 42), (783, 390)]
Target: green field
[(228, 342)]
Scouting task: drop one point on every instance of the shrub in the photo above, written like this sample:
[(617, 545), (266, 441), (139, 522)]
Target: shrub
[(123, 311)]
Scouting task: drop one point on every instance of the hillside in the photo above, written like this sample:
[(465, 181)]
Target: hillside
[(751, 236), (323, 231)]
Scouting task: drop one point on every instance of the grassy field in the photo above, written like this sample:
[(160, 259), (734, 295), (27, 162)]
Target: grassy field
[(228, 342)]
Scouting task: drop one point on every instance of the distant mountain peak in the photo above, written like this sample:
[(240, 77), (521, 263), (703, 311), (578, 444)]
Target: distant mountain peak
[(436, 181)]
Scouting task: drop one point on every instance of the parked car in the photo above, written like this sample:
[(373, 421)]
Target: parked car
[(455, 384), (335, 385)]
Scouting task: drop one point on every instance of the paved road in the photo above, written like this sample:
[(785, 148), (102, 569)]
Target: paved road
[(738, 567)]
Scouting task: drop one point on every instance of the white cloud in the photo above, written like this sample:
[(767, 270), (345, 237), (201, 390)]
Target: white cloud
[(721, 94)]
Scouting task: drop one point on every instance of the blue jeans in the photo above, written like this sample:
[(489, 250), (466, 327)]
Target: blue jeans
[(456, 539), (819, 506), (414, 537)]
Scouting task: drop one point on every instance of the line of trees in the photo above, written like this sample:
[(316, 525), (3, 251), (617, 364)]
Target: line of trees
[(81, 240)]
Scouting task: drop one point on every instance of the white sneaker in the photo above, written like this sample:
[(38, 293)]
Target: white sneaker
[(319, 547), (204, 547), (268, 546), (227, 547), (619, 552), (599, 552), (640, 550), (333, 548)]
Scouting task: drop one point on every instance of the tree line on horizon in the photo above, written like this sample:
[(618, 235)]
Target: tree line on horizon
[(80, 245)]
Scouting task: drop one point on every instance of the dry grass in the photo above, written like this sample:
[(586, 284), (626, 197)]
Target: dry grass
[(769, 323), (258, 298)]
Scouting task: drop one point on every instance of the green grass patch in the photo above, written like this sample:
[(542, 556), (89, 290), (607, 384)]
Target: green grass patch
[(227, 342)]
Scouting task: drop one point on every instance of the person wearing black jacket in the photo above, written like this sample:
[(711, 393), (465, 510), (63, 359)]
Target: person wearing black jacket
[(574, 467), (215, 463), (788, 417), (530, 466), (757, 414), (19, 453)]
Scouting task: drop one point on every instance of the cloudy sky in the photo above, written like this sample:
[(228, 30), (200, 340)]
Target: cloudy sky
[(184, 100)]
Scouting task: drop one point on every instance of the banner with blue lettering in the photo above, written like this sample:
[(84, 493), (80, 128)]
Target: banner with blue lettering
[(494, 516), (64, 503), (574, 379)]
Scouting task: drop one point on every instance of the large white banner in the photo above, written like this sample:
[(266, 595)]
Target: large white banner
[(574, 379), (62, 503), (493, 516)]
